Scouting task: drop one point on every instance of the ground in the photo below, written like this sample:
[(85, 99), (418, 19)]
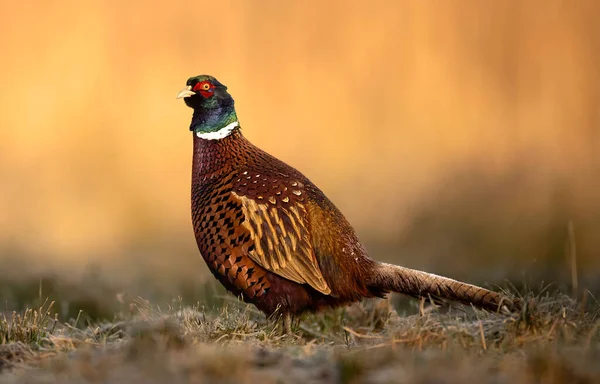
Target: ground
[(554, 339)]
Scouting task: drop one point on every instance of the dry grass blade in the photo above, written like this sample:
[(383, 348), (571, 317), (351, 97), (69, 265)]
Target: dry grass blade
[(483, 343)]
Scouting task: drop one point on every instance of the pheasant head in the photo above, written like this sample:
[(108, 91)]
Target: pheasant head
[(214, 112)]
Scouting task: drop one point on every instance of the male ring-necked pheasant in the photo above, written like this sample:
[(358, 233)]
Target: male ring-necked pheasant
[(269, 234)]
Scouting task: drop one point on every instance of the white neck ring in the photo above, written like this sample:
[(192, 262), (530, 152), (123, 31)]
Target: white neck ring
[(220, 134)]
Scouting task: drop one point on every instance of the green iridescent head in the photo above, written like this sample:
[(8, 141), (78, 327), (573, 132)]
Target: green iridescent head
[(214, 112)]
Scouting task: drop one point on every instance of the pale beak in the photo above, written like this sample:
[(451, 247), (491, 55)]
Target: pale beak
[(186, 92)]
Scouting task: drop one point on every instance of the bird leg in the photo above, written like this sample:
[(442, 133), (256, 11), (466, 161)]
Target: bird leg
[(283, 322), (287, 323)]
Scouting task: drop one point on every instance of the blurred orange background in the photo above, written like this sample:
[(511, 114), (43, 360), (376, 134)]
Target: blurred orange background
[(458, 137)]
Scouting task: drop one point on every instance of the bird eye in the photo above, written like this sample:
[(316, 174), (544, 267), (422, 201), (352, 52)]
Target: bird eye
[(203, 86)]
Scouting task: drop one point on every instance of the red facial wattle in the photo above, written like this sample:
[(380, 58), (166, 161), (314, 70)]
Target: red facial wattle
[(205, 88)]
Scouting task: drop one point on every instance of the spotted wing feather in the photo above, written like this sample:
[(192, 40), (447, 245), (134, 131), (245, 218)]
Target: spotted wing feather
[(276, 216)]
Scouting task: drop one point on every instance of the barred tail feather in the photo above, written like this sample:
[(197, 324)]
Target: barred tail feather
[(419, 284)]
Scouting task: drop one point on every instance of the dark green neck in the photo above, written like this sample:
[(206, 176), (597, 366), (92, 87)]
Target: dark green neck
[(213, 118)]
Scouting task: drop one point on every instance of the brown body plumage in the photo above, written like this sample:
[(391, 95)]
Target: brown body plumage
[(270, 235)]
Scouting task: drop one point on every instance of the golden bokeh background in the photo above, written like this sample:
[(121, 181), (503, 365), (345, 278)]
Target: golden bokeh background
[(459, 137)]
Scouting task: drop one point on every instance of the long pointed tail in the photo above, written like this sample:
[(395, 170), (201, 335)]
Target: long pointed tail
[(418, 284)]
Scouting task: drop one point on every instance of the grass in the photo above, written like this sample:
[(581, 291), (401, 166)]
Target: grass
[(553, 339)]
